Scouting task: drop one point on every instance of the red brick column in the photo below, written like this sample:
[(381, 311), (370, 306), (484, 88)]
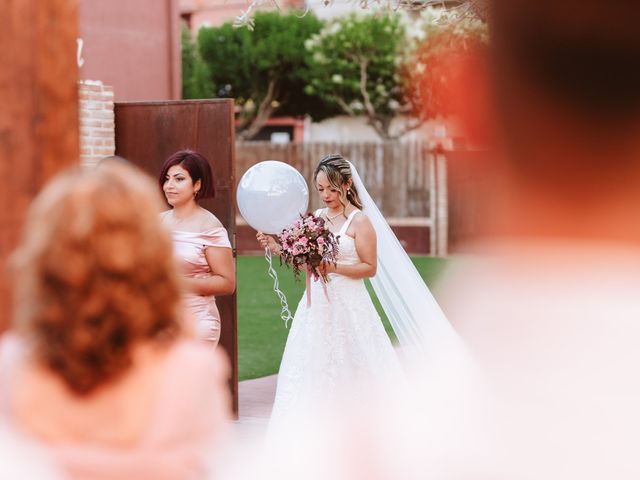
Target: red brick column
[(97, 128)]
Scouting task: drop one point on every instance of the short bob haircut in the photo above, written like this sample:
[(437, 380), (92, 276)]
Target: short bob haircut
[(197, 166), (95, 275)]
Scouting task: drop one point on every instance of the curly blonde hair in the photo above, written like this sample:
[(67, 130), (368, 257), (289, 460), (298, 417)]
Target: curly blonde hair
[(95, 274)]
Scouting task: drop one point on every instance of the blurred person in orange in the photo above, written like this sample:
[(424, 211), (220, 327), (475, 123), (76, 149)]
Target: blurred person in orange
[(549, 308), (97, 367), (201, 243)]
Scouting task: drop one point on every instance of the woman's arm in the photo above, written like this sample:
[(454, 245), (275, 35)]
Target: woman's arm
[(366, 246), (222, 280)]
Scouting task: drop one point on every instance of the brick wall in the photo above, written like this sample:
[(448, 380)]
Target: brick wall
[(97, 128)]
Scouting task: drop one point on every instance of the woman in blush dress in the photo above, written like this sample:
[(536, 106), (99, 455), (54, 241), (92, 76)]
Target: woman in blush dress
[(201, 243), (97, 369)]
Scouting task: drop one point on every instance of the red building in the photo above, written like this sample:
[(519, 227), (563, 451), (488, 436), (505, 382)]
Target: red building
[(133, 46)]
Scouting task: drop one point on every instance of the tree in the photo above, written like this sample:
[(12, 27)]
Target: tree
[(196, 78), (353, 65), (435, 44), (382, 66), (262, 67)]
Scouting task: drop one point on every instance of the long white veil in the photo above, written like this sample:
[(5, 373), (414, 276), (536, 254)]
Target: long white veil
[(415, 316)]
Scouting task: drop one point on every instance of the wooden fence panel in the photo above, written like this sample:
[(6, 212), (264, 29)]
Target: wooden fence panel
[(399, 176), (408, 181)]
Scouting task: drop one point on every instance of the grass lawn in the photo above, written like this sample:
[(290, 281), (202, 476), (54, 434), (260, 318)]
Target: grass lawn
[(261, 332)]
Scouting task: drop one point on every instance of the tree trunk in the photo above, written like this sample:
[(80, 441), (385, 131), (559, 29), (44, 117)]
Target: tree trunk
[(264, 113)]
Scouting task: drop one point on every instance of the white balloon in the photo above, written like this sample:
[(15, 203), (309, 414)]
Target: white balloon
[(271, 195)]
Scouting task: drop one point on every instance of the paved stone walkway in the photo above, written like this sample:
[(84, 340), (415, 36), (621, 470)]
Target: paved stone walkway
[(255, 403)]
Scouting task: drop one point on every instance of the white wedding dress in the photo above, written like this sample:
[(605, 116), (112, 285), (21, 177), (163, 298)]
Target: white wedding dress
[(337, 349)]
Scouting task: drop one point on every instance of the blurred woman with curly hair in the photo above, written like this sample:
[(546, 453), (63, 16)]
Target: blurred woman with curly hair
[(97, 367)]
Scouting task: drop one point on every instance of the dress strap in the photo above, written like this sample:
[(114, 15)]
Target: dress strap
[(345, 225)]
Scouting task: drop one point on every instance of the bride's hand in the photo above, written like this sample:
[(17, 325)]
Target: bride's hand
[(267, 241), (326, 268)]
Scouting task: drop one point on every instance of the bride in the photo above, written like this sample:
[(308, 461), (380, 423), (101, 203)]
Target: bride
[(337, 348)]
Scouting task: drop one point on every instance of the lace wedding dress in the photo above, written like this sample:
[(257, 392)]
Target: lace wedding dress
[(337, 348)]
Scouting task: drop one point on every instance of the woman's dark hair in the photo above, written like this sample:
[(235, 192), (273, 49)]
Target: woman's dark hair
[(198, 168)]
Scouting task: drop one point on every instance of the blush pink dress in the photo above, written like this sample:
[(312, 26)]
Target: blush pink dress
[(164, 418), (189, 248)]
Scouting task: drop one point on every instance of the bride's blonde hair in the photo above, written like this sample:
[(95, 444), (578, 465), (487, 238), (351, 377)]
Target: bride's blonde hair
[(338, 172)]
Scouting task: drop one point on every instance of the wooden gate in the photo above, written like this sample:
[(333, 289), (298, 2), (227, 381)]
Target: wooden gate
[(148, 132)]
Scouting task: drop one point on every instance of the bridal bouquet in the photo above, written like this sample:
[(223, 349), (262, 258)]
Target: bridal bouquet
[(306, 244)]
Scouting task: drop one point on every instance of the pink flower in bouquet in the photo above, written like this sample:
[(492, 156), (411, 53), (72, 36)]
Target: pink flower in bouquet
[(306, 244)]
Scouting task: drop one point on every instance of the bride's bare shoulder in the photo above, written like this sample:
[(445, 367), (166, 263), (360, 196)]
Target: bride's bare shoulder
[(361, 225), (360, 219)]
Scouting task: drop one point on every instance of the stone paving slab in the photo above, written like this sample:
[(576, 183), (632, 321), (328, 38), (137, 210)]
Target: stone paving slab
[(256, 399)]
